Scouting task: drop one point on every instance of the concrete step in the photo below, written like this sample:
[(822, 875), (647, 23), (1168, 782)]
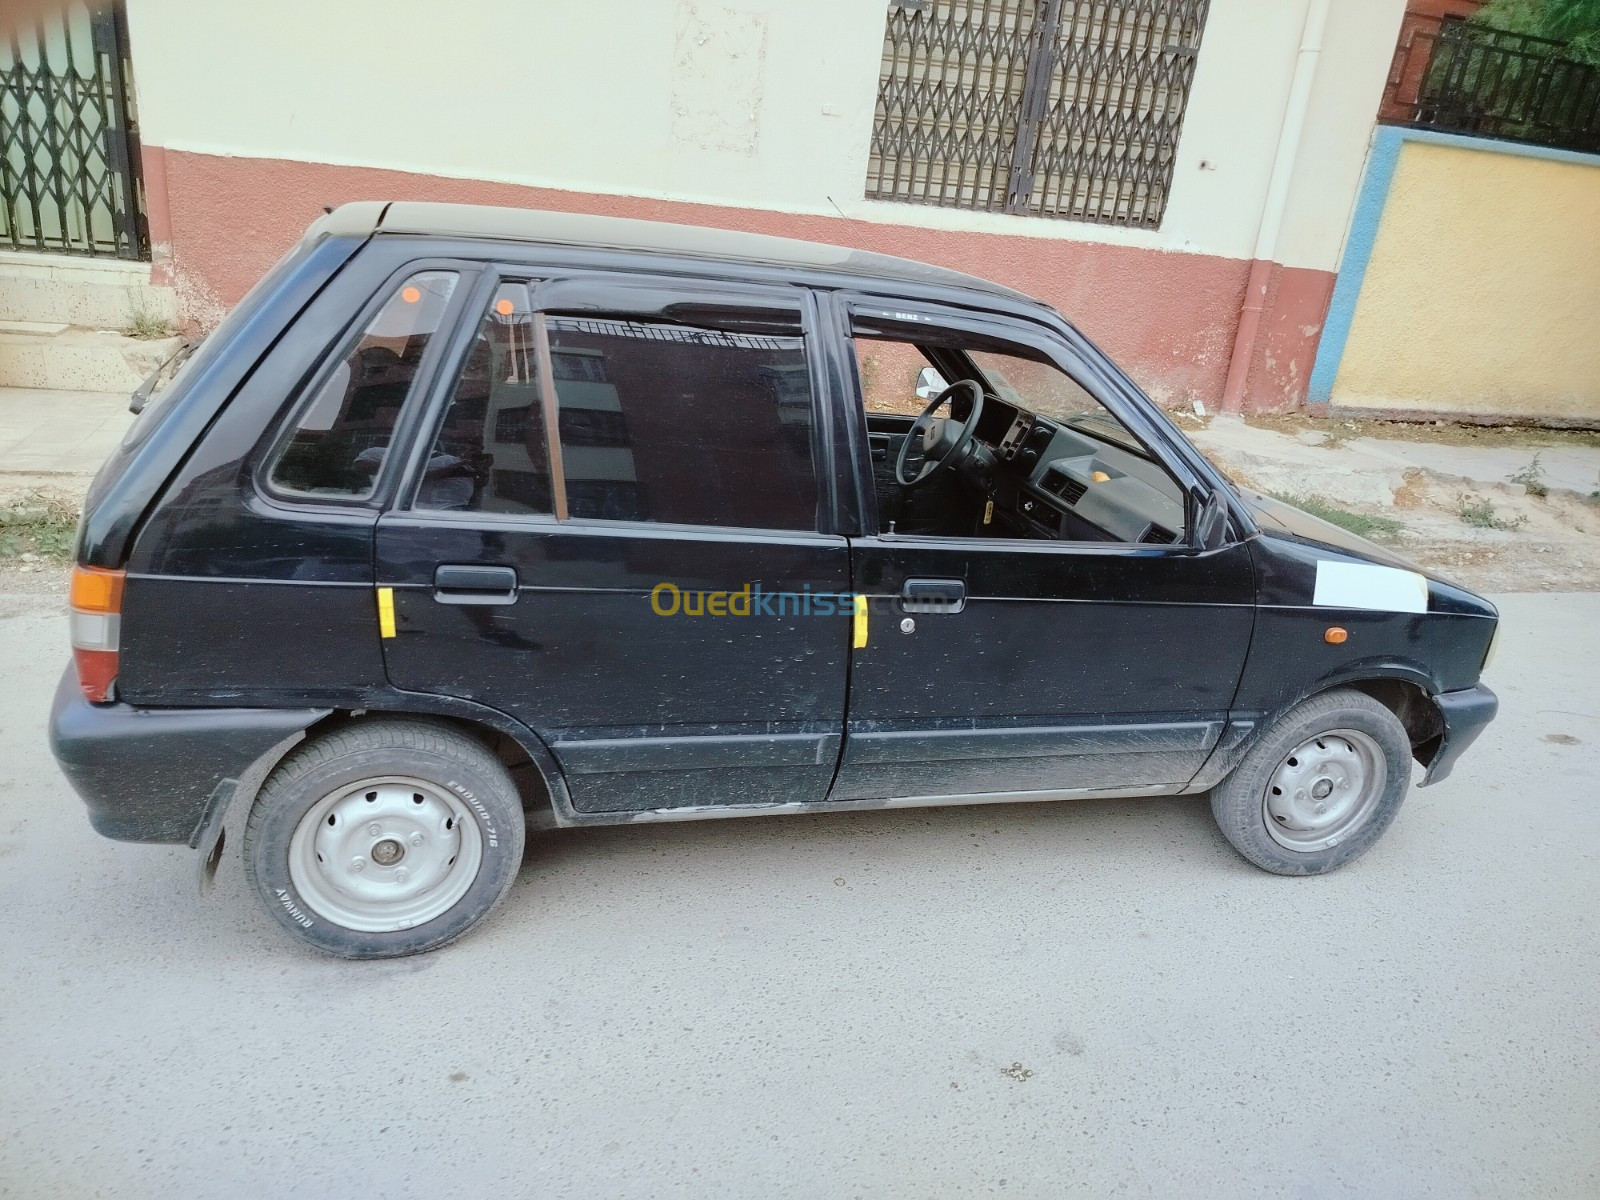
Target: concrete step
[(36, 354), (90, 292)]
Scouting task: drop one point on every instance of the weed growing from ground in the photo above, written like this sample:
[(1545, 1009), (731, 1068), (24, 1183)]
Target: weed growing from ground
[(1531, 477), (1358, 523), (1480, 514)]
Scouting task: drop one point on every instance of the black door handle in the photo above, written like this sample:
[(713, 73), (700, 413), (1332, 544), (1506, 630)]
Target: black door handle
[(933, 596), (463, 583)]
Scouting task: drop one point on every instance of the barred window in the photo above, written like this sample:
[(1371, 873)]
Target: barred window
[(1053, 108)]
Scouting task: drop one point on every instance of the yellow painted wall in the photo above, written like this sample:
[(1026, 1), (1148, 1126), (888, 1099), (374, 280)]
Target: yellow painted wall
[(1483, 292)]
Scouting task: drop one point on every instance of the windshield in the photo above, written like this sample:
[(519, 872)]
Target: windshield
[(1041, 388), (1048, 391)]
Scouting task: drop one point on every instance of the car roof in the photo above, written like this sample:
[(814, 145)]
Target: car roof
[(649, 237)]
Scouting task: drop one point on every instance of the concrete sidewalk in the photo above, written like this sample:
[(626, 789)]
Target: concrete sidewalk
[(59, 433)]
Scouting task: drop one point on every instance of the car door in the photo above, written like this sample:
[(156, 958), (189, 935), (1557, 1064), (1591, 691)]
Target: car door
[(619, 474), (1038, 666)]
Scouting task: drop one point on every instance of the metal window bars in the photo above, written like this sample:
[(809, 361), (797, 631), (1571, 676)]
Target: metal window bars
[(69, 147), (1055, 108)]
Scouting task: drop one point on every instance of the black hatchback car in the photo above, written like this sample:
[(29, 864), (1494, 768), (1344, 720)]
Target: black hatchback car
[(468, 520)]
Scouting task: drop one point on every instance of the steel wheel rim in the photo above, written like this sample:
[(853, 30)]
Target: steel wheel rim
[(1324, 790), (385, 854)]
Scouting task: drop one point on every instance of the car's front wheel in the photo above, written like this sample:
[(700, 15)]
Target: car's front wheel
[(384, 838), (1319, 788)]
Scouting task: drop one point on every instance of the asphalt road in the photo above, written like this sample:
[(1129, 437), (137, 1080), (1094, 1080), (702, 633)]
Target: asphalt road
[(1031, 1000)]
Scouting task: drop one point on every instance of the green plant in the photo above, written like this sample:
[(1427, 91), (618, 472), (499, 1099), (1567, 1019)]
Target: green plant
[(148, 326), (1480, 514), (38, 524), (1531, 477), (1575, 22), (1357, 523)]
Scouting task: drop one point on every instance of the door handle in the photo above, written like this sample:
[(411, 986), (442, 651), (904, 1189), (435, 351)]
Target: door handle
[(463, 583), (933, 596)]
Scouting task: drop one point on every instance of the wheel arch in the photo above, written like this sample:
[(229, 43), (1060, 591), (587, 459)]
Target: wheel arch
[(520, 750), (1404, 691), (1413, 705)]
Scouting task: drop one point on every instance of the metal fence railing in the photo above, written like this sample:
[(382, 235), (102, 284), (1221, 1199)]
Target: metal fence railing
[(69, 147), (1462, 77), (1054, 108)]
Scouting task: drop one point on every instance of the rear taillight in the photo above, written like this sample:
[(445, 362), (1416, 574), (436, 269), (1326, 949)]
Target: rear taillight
[(96, 601)]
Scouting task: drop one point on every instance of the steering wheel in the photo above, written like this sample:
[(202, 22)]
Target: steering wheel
[(942, 443)]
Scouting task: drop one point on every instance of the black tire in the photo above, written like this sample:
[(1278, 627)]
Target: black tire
[(460, 774), (1240, 802)]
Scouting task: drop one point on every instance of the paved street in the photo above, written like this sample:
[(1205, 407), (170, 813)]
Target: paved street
[(1037, 1001)]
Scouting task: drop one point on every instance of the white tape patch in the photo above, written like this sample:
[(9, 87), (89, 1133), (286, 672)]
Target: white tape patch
[(1363, 585)]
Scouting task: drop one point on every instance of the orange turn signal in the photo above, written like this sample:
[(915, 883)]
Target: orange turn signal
[(96, 590), (1335, 636)]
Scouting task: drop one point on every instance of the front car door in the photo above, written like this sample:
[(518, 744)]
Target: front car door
[(617, 477), (1056, 656)]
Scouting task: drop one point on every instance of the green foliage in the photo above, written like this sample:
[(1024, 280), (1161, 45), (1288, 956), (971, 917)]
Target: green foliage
[(1575, 22), (1531, 477), (38, 524), (1357, 523), (1480, 514)]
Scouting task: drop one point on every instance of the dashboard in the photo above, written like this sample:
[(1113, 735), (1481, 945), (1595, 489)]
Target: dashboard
[(1073, 485)]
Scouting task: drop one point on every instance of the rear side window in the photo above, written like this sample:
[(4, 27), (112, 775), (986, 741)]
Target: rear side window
[(342, 435), (675, 423), (490, 454)]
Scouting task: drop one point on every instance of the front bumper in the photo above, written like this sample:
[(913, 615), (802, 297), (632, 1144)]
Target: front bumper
[(157, 774), (1465, 713)]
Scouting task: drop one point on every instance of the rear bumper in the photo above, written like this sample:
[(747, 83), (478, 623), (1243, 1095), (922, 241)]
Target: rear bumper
[(157, 774), (1465, 713)]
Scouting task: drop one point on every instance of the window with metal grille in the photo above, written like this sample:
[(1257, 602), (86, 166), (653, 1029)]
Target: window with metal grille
[(1054, 108), (69, 142)]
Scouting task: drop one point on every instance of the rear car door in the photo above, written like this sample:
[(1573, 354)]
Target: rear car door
[(615, 473), (1042, 664)]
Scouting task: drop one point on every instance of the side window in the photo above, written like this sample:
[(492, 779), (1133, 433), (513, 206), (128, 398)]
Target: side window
[(894, 376), (342, 435), (682, 424), (490, 454)]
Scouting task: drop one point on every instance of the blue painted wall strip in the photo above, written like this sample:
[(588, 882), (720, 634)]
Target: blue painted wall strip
[(1364, 224)]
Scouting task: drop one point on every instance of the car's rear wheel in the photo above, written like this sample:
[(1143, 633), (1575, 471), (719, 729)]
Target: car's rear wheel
[(1319, 788), (384, 838)]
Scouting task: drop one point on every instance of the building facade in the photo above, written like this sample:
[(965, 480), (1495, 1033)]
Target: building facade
[(1185, 142)]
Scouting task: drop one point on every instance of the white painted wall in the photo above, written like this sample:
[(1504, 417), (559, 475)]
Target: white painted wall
[(753, 103)]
